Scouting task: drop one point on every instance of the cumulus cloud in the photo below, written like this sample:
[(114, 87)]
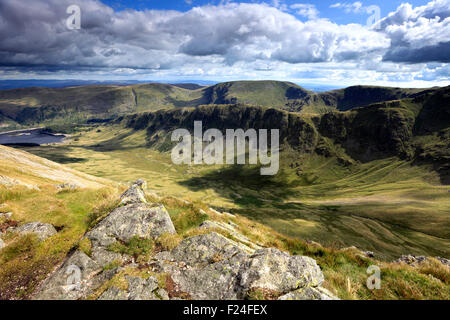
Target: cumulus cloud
[(420, 34), (36, 34), (229, 39)]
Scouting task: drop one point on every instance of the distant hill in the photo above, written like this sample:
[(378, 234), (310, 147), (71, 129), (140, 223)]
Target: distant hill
[(78, 104)]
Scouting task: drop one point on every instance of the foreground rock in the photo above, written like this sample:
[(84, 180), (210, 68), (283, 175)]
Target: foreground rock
[(41, 230), (213, 267), (80, 274), (207, 266)]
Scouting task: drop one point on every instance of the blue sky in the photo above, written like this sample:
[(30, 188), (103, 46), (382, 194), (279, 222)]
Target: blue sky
[(323, 6), (330, 43)]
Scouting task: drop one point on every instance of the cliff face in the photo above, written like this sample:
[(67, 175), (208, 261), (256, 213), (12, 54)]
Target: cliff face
[(373, 132)]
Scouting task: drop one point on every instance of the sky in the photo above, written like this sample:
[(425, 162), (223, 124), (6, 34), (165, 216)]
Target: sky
[(327, 42)]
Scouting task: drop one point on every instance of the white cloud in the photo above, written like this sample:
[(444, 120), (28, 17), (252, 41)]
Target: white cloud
[(355, 7), (420, 34), (306, 10)]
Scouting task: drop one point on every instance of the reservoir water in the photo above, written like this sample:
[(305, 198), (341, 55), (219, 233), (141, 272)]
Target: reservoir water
[(30, 137)]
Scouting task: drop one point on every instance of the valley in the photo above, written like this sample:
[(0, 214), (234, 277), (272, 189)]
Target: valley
[(378, 192)]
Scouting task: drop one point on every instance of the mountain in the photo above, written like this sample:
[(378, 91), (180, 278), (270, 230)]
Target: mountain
[(37, 105)]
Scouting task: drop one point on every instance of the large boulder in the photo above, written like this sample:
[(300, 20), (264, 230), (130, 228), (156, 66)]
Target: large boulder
[(275, 270), (211, 266), (134, 220), (205, 249), (41, 230), (204, 267)]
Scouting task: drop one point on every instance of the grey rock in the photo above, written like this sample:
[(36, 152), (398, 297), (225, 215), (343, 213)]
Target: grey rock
[(113, 293), (135, 194), (140, 289), (42, 230), (213, 267), (103, 256), (2, 244), (411, 259), (230, 227), (162, 294), (414, 261), (136, 219), (444, 261), (217, 281), (309, 293), (142, 220), (205, 249), (69, 282), (278, 271), (141, 183)]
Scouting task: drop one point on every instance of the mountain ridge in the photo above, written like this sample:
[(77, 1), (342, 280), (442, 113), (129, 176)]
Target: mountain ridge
[(30, 106)]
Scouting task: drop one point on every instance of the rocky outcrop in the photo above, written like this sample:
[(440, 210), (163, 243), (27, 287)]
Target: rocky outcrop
[(125, 222), (211, 266), (414, 261), (207, 266), (41, 230)]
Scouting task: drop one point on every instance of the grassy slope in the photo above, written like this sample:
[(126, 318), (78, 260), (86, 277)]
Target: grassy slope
[(31, 195)]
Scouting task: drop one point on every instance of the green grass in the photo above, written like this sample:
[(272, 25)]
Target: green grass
[(135, 247), (25, 261)]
